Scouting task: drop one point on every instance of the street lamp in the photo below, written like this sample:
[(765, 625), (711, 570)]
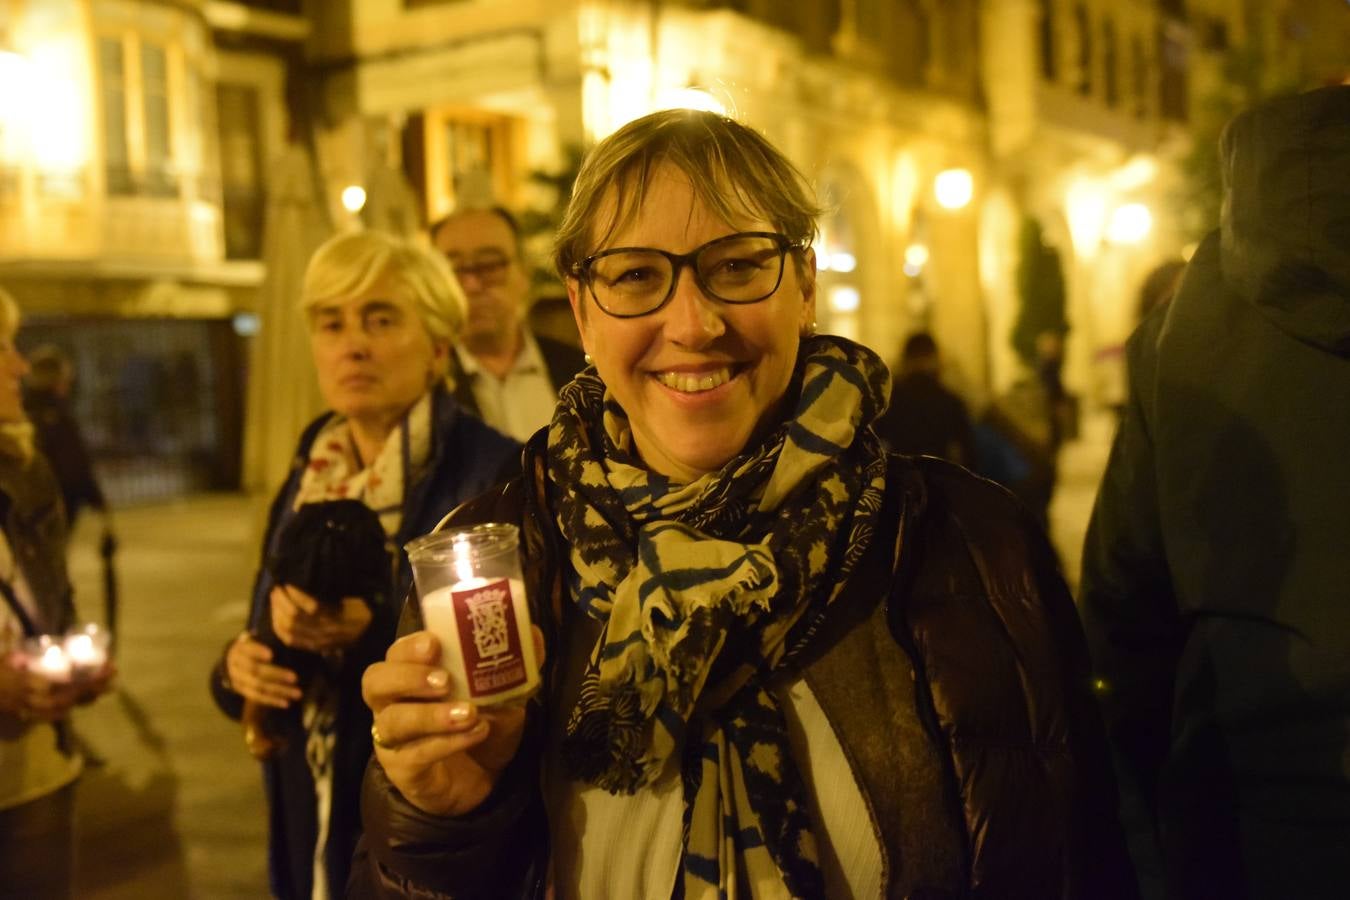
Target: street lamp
[(1129, 224), (954, 188)]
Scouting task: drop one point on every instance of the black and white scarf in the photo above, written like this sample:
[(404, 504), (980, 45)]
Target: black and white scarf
[(705, 590)]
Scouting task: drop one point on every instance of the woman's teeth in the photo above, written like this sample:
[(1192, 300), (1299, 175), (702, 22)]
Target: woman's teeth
[(693, 384)]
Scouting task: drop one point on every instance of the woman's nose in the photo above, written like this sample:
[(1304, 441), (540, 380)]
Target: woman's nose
[(356, 341), (693, 318)]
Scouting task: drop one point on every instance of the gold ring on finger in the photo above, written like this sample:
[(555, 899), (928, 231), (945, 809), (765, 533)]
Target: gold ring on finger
[(375, 737)]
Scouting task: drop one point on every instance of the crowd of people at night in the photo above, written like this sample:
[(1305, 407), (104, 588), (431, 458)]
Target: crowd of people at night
[(799, 625)]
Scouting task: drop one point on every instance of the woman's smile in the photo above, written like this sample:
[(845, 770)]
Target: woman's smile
[(697, 381)]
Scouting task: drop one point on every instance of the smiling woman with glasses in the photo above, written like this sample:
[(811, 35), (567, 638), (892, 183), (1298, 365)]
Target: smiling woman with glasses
[(781, 662)]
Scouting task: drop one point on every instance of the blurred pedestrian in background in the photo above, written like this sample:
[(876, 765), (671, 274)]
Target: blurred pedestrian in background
[(782, 662), (1216, 571), (383, 314), (39, 764), (924, 416), (47, 400), (503, 372)]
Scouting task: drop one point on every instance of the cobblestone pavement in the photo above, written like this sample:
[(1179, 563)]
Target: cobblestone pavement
[(172, 806)]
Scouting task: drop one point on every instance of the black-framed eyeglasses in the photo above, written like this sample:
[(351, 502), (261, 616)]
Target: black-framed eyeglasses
[(635, 281), (489, 267)]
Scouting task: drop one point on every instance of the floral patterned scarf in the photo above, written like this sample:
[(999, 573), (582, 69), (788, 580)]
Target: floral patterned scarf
[(705, 590)]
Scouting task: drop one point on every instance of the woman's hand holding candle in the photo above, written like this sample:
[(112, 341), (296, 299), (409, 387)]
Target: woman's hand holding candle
[(443, 755), (28, 694)]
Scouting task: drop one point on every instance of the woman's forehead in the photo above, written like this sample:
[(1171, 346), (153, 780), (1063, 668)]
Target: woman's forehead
[(668, 204)]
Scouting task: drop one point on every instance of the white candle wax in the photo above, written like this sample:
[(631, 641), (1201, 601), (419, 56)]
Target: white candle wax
[(53, 663), (475, 623), (85, 653)]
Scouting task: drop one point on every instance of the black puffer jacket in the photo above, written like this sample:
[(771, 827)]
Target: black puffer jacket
[(955, 676), (1216, 574)]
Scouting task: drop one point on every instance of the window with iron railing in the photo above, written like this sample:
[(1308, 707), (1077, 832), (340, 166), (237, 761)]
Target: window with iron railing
[(238, 112), (116, 152), (135, 102), (159, 180)]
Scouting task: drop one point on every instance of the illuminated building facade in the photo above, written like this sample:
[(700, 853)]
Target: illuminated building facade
[(932, 128)]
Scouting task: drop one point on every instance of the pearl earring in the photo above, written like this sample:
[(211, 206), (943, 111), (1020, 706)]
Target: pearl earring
[(586, 357), (809, 330)]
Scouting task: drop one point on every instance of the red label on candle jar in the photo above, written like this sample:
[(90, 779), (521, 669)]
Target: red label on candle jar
[(489, 639)]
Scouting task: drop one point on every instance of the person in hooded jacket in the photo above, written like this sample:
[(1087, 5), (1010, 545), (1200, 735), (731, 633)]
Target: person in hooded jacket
[(1216, 571)]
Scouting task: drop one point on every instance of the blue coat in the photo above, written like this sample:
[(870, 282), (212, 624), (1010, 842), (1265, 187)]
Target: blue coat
[(466, 458)]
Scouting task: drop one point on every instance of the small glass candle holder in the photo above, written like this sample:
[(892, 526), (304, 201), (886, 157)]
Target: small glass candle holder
[(473, 599), (87, 648), (47, 656)]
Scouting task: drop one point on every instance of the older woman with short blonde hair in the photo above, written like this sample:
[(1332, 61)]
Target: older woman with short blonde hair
[(382, 313)]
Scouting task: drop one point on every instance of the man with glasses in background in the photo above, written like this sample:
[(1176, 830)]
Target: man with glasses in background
[(503, 373)]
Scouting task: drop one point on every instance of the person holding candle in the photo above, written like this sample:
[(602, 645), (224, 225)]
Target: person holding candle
[(780, 661), (39, 764), (383, 313)]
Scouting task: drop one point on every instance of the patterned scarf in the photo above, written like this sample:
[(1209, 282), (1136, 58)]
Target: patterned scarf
[(705, 590), (334, 472)]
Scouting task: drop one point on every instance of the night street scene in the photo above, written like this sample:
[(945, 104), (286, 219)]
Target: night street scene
[(675, 449)]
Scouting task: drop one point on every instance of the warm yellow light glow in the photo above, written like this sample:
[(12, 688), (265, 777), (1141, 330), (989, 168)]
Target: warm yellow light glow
[(59, 124), (916, 255), (1085, 209), (845, 298), (1137, 173), (835, 261), (353, 198), (953, 188), (905, 188), (1129, 224), (690, 98), (843, 261), (1189, 250), (14, 78), (44, 102)]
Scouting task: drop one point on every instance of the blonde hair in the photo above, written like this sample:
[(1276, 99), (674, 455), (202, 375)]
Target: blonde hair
[(349, 264), (734, 171)]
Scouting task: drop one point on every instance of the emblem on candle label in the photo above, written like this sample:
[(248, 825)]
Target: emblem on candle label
[(493, 660)]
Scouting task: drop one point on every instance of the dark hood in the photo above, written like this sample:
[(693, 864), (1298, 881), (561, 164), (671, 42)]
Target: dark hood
[(1285, 226)]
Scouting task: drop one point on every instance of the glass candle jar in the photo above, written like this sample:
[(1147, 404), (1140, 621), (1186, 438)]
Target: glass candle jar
[(472, 597)]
